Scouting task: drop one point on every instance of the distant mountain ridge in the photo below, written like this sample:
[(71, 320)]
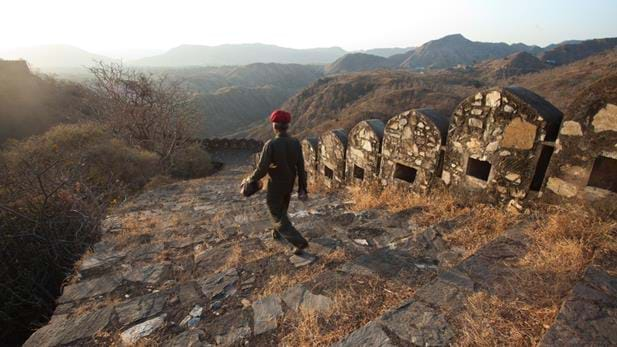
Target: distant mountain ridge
[(54, 56), (241, 54), (571, 52), (453, 50)]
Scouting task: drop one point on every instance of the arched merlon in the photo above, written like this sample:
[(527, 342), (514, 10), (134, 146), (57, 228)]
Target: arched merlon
[(584, 165), (332, 151), (363, 151), (310, 153), (500, 141), (412, 149)]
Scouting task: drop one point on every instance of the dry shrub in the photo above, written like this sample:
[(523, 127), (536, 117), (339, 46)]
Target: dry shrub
[(191, 161), (159, 181), (54, 188)]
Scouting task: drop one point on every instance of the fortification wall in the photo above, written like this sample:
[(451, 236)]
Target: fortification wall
[(498, 144)]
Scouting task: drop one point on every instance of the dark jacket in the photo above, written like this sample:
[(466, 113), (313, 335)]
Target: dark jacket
[(281, 159)]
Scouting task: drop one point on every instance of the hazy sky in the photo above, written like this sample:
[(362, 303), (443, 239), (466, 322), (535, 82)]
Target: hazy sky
[(111, 25)]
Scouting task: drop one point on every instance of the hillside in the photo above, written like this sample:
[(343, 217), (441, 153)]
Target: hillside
[(513, 65), (54, 56), (232, 97), (343, 100), (455, 50), (387, 52), (31, 104), (571, 52), (354, 62), (229, 109), (241, 54)]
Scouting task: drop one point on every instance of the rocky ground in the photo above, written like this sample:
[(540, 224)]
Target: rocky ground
[(191, 264)]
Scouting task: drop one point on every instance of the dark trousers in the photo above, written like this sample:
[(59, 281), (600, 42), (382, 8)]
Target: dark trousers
[(278, 203)]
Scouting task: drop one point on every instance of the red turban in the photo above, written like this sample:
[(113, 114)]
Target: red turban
[(280, 116)]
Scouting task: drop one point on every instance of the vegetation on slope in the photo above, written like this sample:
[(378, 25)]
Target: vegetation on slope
[(56, 187)]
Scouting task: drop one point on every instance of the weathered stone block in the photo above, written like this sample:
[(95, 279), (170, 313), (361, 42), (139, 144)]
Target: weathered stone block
[(363, 151), (331, 157), (310, 151), (584, 166), (414, 162), (507, 155)]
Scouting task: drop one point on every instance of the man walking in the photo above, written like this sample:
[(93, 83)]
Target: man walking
[(282, 160)]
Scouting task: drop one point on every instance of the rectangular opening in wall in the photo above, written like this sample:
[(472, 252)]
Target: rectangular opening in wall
[(604, 174), (405, 173), (358, 172), (479, 169), (439, 168), (328, 172), (541, 166)]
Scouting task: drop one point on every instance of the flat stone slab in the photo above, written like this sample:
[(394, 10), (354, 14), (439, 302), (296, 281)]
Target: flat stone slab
[(190, 338), (100, 260), (132, 335), (419, 324), (94, 287), (61, 331), (299, 298), (371, 334), (589, 314), (385, 263), (302, 260), (150, 274), (265, 314), (141, 307), (221, 285)]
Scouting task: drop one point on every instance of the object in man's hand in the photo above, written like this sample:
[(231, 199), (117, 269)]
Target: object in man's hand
[(248, 188)]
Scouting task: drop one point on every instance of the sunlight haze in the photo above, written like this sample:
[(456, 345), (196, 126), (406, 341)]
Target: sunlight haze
[(114, 26)]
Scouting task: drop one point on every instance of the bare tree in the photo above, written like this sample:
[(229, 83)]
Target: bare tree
[(150, 111)]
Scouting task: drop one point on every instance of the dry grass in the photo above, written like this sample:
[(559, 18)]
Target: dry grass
[(355, 305), (483, 223), (562, 244), (159, 181), (283, 280), (491, 321), (94, 305)]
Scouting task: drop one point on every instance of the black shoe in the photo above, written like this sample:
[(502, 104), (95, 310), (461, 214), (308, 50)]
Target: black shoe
[(276, 235), (300, 250)]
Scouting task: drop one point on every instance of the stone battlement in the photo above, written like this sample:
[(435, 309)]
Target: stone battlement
[(508, 145)]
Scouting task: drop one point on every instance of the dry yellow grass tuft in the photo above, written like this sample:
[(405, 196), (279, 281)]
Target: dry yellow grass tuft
[(562, 243), (491, 321), (355, 305), (284, 280), (485, 222)]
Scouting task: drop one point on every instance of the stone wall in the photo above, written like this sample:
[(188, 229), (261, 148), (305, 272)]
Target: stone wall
[(332, 151), (216, 144), (585, 161), (497, 138), (309, 152), (363, 152), (412, 152)]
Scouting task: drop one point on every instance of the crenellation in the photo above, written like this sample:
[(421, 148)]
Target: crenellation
[(332, 152), (412, 149), (584, 166), (364, 152), (499, 155), (504, 144), (310, 147)]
